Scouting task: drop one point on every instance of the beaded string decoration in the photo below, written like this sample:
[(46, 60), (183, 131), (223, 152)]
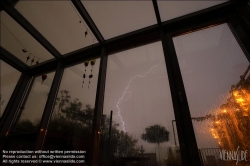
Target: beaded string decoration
[(92, 62), (86, 63), (24, 50)]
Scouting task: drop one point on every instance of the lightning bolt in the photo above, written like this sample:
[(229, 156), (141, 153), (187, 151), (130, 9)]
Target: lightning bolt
[(126, 91)]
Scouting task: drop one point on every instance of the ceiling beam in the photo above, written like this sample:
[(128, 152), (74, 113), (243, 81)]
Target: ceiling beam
[(83, 12), (133, 39), (91, 52), (29, 28), (70, 59), (43, 67), (199, 19), (157, 13), (12, 60)]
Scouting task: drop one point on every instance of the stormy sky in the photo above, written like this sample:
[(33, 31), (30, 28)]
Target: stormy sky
[(137, 87), (211, 61)]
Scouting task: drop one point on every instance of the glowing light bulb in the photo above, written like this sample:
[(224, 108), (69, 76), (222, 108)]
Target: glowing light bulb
[(240, 100), (235, 93)]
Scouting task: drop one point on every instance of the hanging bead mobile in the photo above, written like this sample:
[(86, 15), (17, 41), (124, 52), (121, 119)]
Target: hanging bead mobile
[(32, 60), (86, 63), (92, 63), (82, 22), (44, 76), (28, 57), (35, 58), (86, 32)]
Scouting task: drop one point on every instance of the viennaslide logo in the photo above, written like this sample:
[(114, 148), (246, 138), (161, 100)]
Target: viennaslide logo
[(238, 155)]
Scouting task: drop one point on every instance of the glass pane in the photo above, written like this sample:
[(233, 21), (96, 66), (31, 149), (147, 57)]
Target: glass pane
[(122, 16), (70, 127), (137, 91), (15, 39), (9, 77), (59, 22), (212, 63), (26, 128), (173, 9)]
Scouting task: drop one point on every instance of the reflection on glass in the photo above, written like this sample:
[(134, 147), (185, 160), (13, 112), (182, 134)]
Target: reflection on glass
[(8, 79), (215, 72), (137, 91), (70, 127), (122, 16), (173, 9), (59, 22), (20, 43), (26, 127)]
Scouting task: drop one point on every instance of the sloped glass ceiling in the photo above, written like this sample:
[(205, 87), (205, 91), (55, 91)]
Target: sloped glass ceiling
[(114, 18), (173, 9), (9, 77), (14, 39), (59, 22)]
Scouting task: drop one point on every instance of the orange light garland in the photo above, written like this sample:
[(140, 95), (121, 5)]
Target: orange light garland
[(231, 124)]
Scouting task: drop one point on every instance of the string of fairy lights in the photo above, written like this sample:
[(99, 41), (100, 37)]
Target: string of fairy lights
[(34, 59), (230, 122)]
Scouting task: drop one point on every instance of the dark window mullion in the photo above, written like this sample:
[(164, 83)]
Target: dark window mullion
[(12, 60), (98, 108), (48, 110), (13, 109), (187, 141)]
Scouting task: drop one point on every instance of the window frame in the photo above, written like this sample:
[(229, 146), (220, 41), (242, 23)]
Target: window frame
[(228, 12)]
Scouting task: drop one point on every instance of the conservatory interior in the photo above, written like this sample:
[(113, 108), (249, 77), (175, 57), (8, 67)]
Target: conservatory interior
[(140, 83)]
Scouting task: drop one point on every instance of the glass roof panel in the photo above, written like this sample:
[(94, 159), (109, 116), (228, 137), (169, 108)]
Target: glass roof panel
[(173, 9), (59, 22), (114, 18), (15, 38), (8, 79)]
